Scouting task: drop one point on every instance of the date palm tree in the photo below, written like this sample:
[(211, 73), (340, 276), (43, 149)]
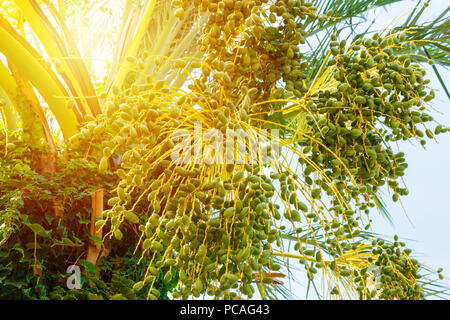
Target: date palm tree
[(116, 79)]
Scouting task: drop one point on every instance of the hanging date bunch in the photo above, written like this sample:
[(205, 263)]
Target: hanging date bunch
[(221, 227)]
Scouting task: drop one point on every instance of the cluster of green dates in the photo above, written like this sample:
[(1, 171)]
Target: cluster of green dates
[(397, 272), (215, 233), (391, 276), (216, 227), (379, 97), (266, 51)]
